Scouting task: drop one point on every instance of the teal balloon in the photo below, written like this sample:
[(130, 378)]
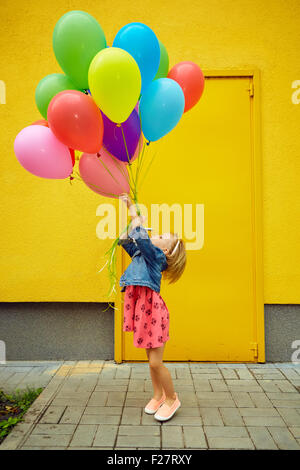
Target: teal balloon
[(48, 87), (141, 42), (163, 68), (161, 108), (77, 38)]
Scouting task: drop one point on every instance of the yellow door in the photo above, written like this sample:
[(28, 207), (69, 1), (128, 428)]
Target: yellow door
[(206, 167)]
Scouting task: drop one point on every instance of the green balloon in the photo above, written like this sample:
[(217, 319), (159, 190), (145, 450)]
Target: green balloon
[(48, 87), (77, 38), (163, 68)]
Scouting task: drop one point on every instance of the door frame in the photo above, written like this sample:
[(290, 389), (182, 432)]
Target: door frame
[(256, 163)]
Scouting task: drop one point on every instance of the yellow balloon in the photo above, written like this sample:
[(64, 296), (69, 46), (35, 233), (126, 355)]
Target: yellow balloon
[(115, 83)]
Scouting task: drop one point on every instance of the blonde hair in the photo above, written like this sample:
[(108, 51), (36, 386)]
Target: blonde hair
[(176, 260)]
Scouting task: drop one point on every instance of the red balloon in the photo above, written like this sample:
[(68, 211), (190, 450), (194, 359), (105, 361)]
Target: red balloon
[(191, 79), (76, 120), (43, 122)]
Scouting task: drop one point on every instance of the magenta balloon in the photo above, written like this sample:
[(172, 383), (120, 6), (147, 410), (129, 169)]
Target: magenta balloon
[(105, 174), (42, 154), (113, 139)]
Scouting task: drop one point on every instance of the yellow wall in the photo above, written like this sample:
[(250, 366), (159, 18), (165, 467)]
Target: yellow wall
[(48, 228)]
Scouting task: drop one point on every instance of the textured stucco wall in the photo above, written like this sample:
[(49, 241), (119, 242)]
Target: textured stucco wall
[(48, 236), (57, 330)]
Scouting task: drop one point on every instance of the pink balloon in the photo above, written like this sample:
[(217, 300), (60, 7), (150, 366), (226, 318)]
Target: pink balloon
[(42, 154), (104, 174)]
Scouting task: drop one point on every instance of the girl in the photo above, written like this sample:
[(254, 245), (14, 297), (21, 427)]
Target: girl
[(145, 312)]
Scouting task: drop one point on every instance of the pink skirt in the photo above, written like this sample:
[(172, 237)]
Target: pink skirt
[(146, 314)]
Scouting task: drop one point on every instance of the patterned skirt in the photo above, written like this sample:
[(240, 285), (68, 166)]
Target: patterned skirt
[(146, 314)]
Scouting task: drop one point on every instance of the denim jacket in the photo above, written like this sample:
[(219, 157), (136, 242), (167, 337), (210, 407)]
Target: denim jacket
[(148, 260)]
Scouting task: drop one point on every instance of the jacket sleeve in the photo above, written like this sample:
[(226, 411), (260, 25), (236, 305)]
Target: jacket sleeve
[(148, 250), (129, 245)]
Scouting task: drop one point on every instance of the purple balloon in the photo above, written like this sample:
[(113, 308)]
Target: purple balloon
[(113, 138)]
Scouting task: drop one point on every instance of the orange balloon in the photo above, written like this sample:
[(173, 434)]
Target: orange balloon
[(191, 79), (43, 122), (76, 120)]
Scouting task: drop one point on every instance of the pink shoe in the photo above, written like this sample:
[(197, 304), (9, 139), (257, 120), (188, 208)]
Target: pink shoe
[(166, 412), (153, 405)]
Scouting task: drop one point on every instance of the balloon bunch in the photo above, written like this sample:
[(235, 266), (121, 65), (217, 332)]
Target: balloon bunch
[(104, 104)]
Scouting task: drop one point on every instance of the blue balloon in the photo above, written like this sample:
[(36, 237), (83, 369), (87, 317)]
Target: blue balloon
[(140, 42), (161, 108)]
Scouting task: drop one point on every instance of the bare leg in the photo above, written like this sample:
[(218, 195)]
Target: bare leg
[(160, 375), (157, 386)]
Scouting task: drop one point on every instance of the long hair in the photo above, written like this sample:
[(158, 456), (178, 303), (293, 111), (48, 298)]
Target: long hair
[(176, 260)]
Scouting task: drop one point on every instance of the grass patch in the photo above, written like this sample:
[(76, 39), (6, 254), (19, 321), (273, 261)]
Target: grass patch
[(13, 406)]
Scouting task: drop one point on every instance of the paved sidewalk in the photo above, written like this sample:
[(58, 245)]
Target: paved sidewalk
[(99, 405)]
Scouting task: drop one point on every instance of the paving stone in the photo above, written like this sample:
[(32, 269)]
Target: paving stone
[(172, 440), (290, 416), (286, 403), (260, 400), (125, 430), (100, 419), (44, 440), (104, 410), (105, 435), (243, 385), (244, 374), (285, 386), (207, 375), (98, 399), (258, 412), (229, 443), (138, 436), (72, 415), (202, 385), (183, 373), (132, 415), (116, 399), (283, 438), (228, 373), (67, 401), (231, 417), (232, 365), (218, 385), (123, 373), (84, 435), (53, 414), (225, 431), (261, 438), (131, 442), (139, 385), (55, 429), (211, 416), (268, 385), (264, 421), (242, 399), (215, 399), (179, 420), (194, 437), (295, 430)]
